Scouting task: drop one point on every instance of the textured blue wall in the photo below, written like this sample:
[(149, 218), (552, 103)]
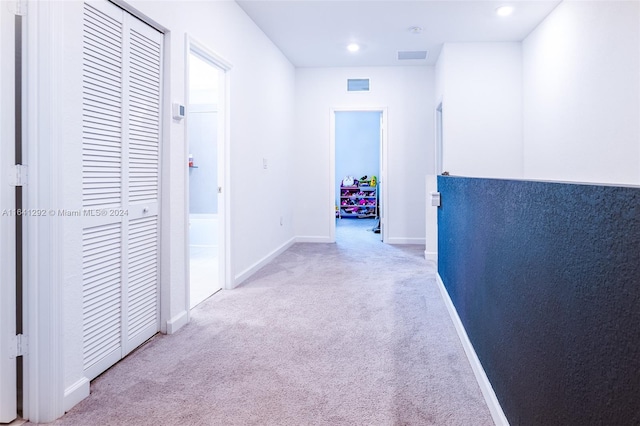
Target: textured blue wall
[(546, 280)]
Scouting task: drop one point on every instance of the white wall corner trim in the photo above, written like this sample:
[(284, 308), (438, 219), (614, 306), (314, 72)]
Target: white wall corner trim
[(43, 392), (431, 256), (404, 240), (244, 275), (481, 377), (177, 322), (76, 393), (317, 239), (431, 220)]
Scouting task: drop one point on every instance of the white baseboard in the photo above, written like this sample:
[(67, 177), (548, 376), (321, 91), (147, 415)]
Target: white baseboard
[(481, 377), (432, 256), (177, 322), (76, 393), (406, 240), (244, 275), (308, 239)]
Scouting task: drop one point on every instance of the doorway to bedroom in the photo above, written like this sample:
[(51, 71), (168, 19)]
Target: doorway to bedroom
[(358, 140)]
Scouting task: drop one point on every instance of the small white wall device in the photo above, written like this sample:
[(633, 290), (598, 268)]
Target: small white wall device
[(435, 199), (178, 111)]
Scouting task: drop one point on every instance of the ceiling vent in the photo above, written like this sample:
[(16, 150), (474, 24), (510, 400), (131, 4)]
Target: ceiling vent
[(412, 54)]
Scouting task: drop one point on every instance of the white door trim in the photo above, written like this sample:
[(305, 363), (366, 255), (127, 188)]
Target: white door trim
[(8, 368), (43, 384), (224, 162), (382, 181), (439, 139)]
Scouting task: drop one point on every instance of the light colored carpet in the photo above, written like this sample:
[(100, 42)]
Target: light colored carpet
[(352, 333)]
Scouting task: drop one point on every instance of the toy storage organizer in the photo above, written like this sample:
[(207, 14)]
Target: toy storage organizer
[(359, 200)]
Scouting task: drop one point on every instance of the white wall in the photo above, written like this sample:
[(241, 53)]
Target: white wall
[(262, 95), (406, 92), (480, 85), (562, 105), (261, 125), (582, 94)]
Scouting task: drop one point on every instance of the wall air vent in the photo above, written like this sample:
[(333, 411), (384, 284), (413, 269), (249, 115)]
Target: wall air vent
[(357, 85), (412, 54)]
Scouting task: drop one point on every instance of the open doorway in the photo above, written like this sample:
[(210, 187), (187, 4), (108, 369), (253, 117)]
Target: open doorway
[(205, 144), (358, 168)]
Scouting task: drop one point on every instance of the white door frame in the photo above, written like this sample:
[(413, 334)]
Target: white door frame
[(43, 397), (224, 161), (384, 161), (8, 369), (439, 165)]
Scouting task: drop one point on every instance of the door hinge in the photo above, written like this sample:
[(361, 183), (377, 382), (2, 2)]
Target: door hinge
[(18, 175), (19, 346), (219, 190)]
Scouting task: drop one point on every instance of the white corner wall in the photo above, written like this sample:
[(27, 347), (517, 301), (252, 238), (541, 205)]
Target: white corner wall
[(261, 117), (480, 85), (406, 92), (582, 94)]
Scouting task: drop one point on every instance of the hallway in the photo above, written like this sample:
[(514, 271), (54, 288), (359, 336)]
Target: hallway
[(328, 334)]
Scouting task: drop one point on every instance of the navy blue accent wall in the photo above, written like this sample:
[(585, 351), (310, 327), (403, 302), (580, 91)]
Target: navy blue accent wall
[(546, 280)]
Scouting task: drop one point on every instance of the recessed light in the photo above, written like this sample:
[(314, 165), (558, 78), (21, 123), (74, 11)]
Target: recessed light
[(415, 30), (504, 11), (353, 47)]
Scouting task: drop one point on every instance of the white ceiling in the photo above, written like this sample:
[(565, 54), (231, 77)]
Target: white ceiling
[(314, 33)]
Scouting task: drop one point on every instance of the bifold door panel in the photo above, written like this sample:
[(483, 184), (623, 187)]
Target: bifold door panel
[(122, 76)]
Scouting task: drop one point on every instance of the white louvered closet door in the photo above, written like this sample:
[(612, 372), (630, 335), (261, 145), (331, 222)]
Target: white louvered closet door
[(122, 77)]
